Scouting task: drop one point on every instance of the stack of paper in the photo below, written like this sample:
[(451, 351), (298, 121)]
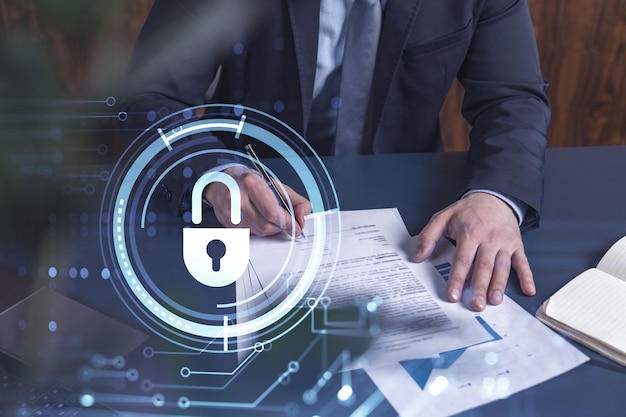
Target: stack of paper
[(431, 357)]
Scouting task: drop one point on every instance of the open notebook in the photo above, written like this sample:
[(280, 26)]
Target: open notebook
[(591, 308)]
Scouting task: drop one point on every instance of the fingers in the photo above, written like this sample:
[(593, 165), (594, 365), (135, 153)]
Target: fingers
[(488, 244), (489, 277), (264, 214), (301, 207), (261, 211), (524, 273)]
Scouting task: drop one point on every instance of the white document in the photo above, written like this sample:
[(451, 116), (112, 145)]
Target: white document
[(523, 353), (372, 266)]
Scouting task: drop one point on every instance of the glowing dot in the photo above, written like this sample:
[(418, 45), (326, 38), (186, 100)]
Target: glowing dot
[(187, 114), (279, 106), (439, 385), (491, 358), (84, 273), (487, 388), (183, 402), (503, 383), (84, 218), (151, 231), (293, 367), (327, 375), (146, 385), (98, 361), (158, 400), (52, 326), (371, 307), (105, 274), (292, 410), (52, 272), (325, 301), (187, 172), (85, 373), (73, 272), (309, 397), (374, 330), (151, 116), (238, 109), (119, 362), (151, 217), (335, 102), (87, 400), (148, 352), (344, 393), (132, 375), (489, 383), (238, 48)]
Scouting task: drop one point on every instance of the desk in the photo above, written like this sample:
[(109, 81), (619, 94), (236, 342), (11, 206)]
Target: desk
[(584, 213)]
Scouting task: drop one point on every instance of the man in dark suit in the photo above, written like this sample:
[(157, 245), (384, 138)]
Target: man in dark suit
[(270, 55)]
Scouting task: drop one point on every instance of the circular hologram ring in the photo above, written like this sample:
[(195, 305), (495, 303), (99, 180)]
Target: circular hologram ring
[(120, 233)]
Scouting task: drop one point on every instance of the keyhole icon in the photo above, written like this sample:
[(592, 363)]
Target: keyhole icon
[(216, 250)]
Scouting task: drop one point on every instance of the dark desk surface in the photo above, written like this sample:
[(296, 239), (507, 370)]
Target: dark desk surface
[(584, 213)]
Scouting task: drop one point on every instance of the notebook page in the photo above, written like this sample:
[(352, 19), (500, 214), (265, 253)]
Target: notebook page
[(593, 303), (614, 260)]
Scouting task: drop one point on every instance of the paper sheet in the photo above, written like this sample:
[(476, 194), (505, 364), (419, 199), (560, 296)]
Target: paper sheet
[(415, 322), (522, 353)]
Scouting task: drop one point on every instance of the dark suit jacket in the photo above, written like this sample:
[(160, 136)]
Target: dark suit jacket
[(267, 53)]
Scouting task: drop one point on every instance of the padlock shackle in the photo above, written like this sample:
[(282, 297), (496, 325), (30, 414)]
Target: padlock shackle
[(198, 190)]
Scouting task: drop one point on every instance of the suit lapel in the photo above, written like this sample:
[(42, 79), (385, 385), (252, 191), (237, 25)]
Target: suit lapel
[(398, 20), (304, 17)]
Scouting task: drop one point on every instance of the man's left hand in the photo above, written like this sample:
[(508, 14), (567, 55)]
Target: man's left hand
[(488, 238)]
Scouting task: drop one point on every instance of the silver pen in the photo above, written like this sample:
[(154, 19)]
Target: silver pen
[(266, 176)]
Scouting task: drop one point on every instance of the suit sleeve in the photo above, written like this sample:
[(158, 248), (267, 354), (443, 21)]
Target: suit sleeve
[(506, 105), (174, 62)]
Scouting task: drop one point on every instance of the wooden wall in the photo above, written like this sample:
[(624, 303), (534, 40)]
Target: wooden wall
[(582, 44)]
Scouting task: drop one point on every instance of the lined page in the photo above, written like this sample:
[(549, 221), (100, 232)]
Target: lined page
[(614, 261), (594, 303)]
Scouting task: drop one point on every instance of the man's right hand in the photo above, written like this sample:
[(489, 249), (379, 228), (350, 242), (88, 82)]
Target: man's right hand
[(261, 211)]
